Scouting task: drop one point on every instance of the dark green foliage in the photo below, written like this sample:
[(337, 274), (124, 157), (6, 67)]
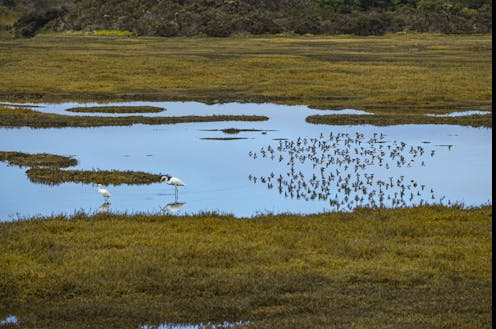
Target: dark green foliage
[(223, 18)]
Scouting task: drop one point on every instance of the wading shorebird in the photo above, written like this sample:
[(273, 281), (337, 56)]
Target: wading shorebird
[(170, 180), (105, 193)]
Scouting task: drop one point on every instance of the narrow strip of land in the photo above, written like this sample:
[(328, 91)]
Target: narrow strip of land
[(390, 120), (34, 119), (117, 109)]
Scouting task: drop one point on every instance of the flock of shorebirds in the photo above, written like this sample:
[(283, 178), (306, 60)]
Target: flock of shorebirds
[(349, 170)]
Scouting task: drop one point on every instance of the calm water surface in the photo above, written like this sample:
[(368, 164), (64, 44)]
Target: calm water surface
[(286, 166)]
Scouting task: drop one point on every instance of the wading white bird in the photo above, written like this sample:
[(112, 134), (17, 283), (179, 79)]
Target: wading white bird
[(170, 180), (106, 194)]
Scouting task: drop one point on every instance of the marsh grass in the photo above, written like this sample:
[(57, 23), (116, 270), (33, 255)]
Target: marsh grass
[(54, 176), (423, 267), (396, 74), (389, 120), (117, 109), (45, 169), (37, 160), (30, 118)]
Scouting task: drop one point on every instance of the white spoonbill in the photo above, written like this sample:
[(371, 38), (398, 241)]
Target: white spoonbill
[(105, 193), (170, 180)]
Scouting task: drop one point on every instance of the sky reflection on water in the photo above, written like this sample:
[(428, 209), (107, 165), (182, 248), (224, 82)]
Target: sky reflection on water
[(216, 172)]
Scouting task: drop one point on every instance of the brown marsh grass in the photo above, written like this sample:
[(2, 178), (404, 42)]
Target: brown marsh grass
[(29, 118), (54, 176), (37, 160), (485, 120), (117, 109), (423, 267), (395, 74)]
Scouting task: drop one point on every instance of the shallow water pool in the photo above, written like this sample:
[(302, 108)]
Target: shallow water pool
[(338, 168)]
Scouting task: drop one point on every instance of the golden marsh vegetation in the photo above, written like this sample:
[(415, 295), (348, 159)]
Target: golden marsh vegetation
[(423, 267), (398, 74)]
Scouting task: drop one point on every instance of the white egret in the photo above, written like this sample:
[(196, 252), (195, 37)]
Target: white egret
[(105, 193), (170, 180)]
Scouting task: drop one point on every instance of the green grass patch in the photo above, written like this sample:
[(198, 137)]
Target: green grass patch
[(396, 74), (54, 176), (117, 109), (35, 119), (118, 33), (423, 267), (37, 160), (389, 120)]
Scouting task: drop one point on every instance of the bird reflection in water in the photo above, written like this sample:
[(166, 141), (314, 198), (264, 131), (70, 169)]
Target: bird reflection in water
[(104, 207), (348, 170), (172, 207)]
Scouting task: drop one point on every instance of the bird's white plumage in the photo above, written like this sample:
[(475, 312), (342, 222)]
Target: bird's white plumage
[(172, 180), (105, 193)]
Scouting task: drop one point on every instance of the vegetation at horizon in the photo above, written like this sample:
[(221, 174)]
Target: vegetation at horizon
[(220, 18)]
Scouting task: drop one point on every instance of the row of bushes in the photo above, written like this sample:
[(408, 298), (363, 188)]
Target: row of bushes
[(221, 18)]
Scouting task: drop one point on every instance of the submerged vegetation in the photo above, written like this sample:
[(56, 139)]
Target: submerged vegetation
[(117, 109), (426, 267), (35, 119), (394, 74), (389, 120), (37, 160), (53, 176)]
